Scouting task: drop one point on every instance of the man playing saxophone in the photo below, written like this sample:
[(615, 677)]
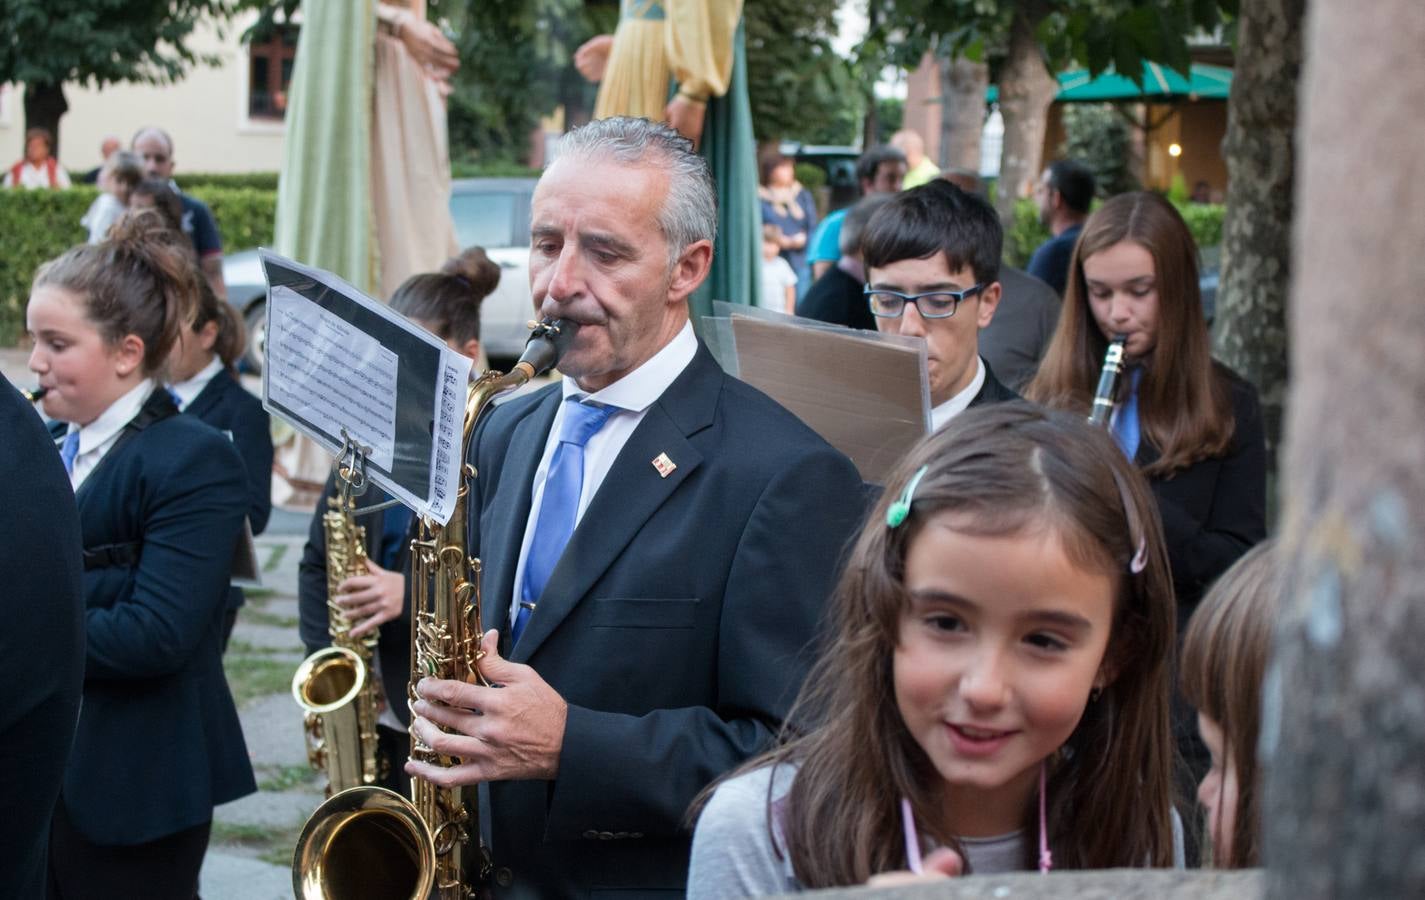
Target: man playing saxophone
[(657, 540)]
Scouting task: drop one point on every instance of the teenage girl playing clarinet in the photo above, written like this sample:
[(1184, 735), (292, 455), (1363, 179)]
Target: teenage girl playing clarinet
[(161, 499), (1191, 424)]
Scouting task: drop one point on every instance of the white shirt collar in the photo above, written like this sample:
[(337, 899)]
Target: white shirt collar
[(640, 388), (112, 420), (189, 390), (942, 414)]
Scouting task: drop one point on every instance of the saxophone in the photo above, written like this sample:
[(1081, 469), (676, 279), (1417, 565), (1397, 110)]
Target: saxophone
[(336, 687), (1103, 401), (369, 842)]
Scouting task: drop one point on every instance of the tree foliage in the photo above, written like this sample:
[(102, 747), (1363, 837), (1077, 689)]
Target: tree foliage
[(1093, 34), (102, 41), (1097, 135), (799, 88)]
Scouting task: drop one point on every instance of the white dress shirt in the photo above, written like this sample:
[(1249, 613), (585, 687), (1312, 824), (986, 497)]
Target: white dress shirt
[(632, 395), (941, 415), (96, 438), (36, 177), (189, 390)]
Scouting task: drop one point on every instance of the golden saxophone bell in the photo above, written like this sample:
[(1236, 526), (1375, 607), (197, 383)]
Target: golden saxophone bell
[(367, 842)]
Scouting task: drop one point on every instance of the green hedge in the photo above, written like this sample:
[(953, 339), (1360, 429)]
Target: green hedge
[(36, 226), (1204, 220), (194, 181)]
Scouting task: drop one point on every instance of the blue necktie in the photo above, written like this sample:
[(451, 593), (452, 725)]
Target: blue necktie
[(560, 505), (68, 450), (1125, 423), (177, 400)]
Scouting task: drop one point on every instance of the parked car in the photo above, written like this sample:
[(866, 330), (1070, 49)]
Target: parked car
[(489, 212)]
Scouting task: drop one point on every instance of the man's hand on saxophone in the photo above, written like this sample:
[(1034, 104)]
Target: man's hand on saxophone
[(506, 733), (373, 599)]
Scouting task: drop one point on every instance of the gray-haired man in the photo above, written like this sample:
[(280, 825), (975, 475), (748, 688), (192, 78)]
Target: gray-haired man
[(662, 587)]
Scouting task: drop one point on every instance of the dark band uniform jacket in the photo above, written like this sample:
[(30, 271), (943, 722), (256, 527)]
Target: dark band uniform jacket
[(993, 390), (677, 623), (228, 406), (1215, 510), (42, 644), (159, 743), (393, 646)]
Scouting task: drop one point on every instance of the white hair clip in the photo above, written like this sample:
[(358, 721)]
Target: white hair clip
[(1140, 559)]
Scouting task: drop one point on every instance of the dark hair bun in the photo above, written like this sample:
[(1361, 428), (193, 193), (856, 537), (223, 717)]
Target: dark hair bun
[(476, 268)]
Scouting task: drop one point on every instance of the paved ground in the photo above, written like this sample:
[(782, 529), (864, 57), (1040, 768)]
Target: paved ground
[(249, 857)]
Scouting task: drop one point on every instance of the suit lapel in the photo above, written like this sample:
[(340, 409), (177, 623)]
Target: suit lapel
[(631, 493), (503, 532)]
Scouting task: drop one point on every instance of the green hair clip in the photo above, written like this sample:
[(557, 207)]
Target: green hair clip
[(899, 511)]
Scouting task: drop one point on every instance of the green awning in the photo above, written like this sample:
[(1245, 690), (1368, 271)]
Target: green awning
[(1159, 83)]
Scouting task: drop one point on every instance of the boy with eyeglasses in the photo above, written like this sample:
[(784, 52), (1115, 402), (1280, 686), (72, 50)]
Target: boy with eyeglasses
[(932, 257)]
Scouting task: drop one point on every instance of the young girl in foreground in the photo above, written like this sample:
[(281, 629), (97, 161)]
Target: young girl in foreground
[(161, 499), (1224, 658), (1003, 638)]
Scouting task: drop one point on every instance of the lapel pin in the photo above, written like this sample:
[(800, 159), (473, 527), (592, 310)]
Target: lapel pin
[(664, 465)]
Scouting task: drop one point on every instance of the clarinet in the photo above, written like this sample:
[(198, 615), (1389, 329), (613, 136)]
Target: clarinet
[(1108, 382)]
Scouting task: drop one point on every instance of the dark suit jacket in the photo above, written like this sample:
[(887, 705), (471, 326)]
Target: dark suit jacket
[(159, 743), (993, 390), (227, 406), (393, 647), (838, 298), (41, 643), (1024, 322), (676, 624), (1214, 511)]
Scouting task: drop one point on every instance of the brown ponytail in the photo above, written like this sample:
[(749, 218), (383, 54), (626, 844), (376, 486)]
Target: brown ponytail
[(231, 340), (141, 280), (449, 300)]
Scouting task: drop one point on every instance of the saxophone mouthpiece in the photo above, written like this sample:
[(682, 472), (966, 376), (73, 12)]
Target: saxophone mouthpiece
[(548, 341), (36, 395)]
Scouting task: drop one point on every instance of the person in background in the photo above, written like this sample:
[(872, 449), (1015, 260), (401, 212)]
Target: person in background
[(1224, 661), (157, 194), (788, 217), (156, 149), (42, 643), (107, 148), (447, 304), (919, 167), (839, 295), (1064, 193), (202, 373), (779, 282), (122, 172), (1015, 340), (39, 170), (932, 271), (161, 499), (880, 170)]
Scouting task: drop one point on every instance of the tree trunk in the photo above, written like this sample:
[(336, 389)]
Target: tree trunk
[(44, 105), (1343, 732), (1026, 89), (962, 117), (1256, 236)]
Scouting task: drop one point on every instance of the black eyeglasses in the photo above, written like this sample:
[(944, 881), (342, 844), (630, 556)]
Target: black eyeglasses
[(930, 305)]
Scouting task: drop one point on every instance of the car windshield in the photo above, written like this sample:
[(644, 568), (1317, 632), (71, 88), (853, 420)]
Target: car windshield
[(486, 219)]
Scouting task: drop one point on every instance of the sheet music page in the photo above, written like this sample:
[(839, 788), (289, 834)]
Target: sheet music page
[(339, 361)]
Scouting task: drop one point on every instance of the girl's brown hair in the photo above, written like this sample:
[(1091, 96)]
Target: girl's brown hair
[(449, 300), (1184, 400), (231, 339), (1001, 470), (1224, 658), (141, 280)]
